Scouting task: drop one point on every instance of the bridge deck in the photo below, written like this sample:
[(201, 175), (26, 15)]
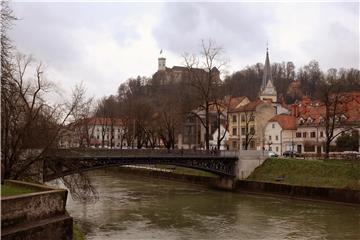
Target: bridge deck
[(66, 162)]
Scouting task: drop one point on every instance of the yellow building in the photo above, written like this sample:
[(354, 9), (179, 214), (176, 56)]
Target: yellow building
[(247, 124)]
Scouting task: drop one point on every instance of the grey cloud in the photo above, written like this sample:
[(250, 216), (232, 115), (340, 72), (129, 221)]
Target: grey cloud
[(244, 28), (47, 28), (238, 27), (339, 46)]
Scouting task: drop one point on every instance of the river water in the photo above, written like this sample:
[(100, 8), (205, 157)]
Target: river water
[(135, 207)]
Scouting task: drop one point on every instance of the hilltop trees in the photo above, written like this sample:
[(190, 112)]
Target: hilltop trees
[(290, 84)]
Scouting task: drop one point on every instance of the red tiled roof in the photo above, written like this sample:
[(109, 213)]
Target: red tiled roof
[(104, 121), (251, 106), (236, 101), (350, 107), (226, 104), (287, 122)]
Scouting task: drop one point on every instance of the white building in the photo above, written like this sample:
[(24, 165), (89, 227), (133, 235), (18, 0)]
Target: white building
[(94, 132), (280, 133), (223, 134)]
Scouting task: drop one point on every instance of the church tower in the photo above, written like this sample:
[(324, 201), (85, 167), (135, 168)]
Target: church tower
[(267, 90)]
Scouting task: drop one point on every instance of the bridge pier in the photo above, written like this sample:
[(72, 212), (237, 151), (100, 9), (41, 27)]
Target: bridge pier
[(225, 183), (248, 160)]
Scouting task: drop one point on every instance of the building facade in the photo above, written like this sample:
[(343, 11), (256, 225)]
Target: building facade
[(304, 130), (94, 132), (247, 124), (311, 118), (280, 134)]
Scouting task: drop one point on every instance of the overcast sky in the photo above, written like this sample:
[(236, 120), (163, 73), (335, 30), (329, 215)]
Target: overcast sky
[(103, 44)]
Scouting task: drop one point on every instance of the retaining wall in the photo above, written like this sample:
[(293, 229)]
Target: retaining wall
[(321, 193), (38, 215)]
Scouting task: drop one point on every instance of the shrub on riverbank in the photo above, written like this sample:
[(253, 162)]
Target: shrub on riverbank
[(316, 173), (77, 233)]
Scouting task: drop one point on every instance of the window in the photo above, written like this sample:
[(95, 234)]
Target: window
[(309, 148), (277, 149), (276, 137), (243, 131), (243, 117), (298, 134), (252, 130), (252, 117), (273, 125), (321, 134), (252, 145), (312, 135), (304, 134), (234, 131), (269, 137), (234, 118), (301, 121), (97, 137), (234, 145)]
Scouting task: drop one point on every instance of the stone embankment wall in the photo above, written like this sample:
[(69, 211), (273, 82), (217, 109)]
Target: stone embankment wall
[(320, 193), (38, 215)]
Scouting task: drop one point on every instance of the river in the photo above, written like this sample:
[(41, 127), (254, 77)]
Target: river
[(135, 207)]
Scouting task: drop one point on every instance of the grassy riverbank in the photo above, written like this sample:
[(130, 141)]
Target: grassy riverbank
[(11, 190), (315, 173)]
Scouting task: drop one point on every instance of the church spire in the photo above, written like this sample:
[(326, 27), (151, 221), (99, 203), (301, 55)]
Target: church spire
[(267, 70), (267, 90)]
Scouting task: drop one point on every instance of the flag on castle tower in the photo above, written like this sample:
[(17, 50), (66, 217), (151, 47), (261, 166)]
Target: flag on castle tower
[(161, 51)]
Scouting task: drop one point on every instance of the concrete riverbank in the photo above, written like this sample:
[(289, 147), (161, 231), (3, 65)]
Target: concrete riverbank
[(39, 214)]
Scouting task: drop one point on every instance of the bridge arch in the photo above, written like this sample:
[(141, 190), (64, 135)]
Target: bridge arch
[(55, 167)]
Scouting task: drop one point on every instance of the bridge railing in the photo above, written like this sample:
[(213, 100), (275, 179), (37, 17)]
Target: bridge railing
[(139, 152)]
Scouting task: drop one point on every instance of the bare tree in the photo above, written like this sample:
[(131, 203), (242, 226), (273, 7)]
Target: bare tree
[(249, 116), (204, 77), (31, 124), (222, 117), (80, 187), (334, 102), (81, 116)]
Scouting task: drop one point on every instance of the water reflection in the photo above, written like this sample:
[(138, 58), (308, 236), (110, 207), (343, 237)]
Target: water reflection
[(133, 207)]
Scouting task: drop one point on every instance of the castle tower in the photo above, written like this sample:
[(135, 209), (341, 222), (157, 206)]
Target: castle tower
[(161, 62), (267, 90)]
